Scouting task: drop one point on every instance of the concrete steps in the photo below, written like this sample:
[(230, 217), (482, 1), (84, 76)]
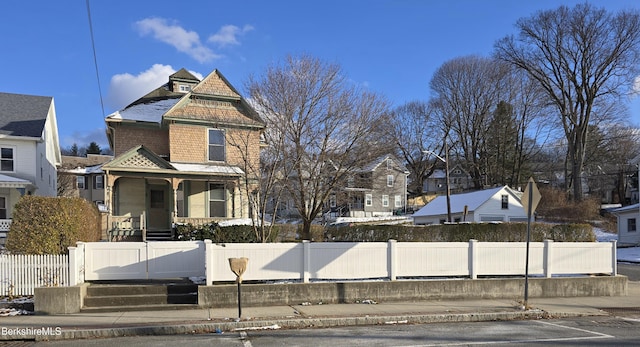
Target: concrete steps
[(159, 235), (140, 297)]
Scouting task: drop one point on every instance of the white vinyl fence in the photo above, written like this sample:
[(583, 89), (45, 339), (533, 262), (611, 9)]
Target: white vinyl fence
[(305, 261), (392, 260), (20, 274)]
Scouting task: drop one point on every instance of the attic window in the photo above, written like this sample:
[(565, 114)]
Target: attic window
[(185, 88), (505, 202)]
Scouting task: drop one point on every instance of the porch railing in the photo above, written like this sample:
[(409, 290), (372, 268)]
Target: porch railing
[(5, 224), (125, 226), (196, 221)]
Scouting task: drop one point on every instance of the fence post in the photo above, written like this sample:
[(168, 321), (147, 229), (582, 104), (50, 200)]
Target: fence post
[(546, 260), (306, 260), (473, 261), (392, 259), (208, 262), (614, 257), (76, 264)]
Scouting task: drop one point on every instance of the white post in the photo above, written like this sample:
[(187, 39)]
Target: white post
[(473, 261), (76, 264), (208, 263), (306, 261), (392, 259), (614, 257), (548, 244)]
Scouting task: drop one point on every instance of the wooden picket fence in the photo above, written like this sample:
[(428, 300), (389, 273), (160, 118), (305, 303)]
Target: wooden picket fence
[(20, 274)]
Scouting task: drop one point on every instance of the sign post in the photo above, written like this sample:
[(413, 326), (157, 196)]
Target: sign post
[(530, 201), (238, 267)]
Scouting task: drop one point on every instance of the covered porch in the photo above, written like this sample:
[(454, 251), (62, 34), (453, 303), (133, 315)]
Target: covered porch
[(146, 201), (11, 190)]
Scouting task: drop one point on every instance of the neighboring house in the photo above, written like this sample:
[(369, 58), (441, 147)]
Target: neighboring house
[(501, 204), (628, 233), (379, 189), (187, 152), (29, 151), (83, 177), (436, 183)]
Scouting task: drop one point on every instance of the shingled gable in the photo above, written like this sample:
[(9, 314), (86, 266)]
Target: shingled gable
[(214, 100), (138, 159)]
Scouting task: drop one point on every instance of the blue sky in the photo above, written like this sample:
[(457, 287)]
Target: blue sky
[(390, 47)]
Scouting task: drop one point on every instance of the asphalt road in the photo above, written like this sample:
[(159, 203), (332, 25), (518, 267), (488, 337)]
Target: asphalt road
[(582, 331), (632, 271)]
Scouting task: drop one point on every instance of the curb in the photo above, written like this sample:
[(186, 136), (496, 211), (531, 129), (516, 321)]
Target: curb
[(324, 322)]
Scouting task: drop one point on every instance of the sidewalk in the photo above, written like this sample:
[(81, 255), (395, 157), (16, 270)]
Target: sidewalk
[(113, 324)]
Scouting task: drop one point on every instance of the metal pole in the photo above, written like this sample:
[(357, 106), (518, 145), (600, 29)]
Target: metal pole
[(446, 169), (239, 302), (526, 270)]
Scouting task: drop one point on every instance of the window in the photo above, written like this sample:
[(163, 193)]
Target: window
[(7, 159), (505, 202), (3, 207), (81, 182), (398, 201), (368, 200), (389, 180), (389, 164), (185, 88), (98, 182), (631, 225), (332, 201), (216, 145), (217, 200), (385, 200)]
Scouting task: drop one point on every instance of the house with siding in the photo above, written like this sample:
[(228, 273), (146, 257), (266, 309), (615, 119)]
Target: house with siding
[(627, 217), (378, 189), (500, 204), (187, 152), (83, 177), (29, 151)]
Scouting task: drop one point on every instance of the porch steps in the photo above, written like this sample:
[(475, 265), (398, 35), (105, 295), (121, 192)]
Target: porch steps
[(159, 235), (122, 297)]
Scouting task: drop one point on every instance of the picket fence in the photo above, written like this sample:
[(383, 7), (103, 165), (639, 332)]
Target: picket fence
[(20, 274)]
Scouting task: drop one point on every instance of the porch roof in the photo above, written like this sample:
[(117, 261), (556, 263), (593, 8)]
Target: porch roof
[(209, 169), (14, 182)]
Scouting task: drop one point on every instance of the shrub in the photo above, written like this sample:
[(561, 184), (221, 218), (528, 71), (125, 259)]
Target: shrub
[(219, 234), (49, 225), (556, 206), (483, 232)]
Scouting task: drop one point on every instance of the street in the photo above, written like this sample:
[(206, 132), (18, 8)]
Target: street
[(592, 331)]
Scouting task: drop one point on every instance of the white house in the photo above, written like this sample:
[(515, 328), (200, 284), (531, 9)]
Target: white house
[(501, 204), (628, 233), (29, 151)]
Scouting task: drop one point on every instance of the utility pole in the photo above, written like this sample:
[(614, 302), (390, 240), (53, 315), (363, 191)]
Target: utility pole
[(445, 160)]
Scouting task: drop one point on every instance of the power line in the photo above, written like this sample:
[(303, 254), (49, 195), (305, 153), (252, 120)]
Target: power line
[(95, 58)]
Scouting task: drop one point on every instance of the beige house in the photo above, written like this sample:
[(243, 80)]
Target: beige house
[(187, 152)]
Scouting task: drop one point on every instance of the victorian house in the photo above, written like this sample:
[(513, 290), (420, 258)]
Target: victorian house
[(187, 152)]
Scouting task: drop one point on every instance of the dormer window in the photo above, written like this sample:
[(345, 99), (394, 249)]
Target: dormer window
[(184, 88)]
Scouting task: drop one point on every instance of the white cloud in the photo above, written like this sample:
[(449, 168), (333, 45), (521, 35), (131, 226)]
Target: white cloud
[(125, 88), (228, 35), (184, 41)]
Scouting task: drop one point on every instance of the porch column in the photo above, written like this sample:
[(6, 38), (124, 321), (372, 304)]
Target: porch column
[(175, 183)]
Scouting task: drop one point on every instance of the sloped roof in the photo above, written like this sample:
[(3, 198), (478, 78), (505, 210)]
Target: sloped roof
[(183, 74), (23, 115), (373, 165), (13, 182), (472, 200), (214, 100), (629, 208)]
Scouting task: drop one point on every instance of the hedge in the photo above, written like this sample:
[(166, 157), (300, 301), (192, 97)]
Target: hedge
[(49, 225), (483, 232)]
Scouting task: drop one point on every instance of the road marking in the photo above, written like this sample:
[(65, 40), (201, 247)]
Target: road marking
[(594, 335), (243, 338)]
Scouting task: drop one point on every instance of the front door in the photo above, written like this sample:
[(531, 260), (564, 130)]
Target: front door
[(158, 202)]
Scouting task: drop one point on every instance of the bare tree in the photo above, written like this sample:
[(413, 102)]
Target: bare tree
[(465, 92), (413, 130), (329, 128), (578, 55)]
